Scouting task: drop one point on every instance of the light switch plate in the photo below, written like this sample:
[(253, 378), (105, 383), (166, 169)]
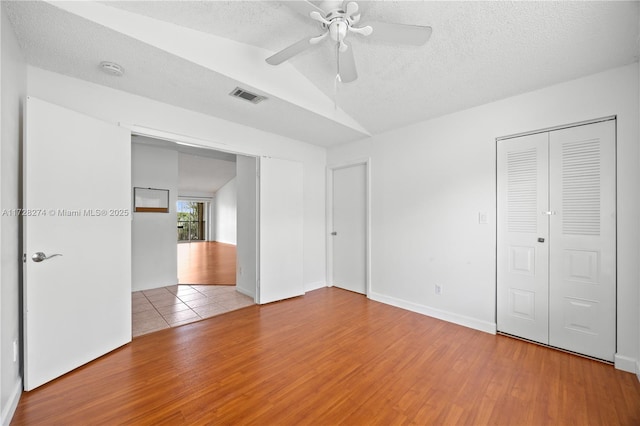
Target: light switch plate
[(482, 218)]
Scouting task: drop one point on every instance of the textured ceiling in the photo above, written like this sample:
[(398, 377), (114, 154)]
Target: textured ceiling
[(59, 41), (479, 52)]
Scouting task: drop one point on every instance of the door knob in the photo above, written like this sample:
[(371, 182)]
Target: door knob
[(40, 256)]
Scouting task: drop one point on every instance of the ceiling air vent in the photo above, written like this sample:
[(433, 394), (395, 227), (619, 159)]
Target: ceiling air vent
[(247, 96)]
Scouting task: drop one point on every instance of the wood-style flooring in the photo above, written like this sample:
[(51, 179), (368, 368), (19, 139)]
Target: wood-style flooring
[(334, 357), (207, 262)]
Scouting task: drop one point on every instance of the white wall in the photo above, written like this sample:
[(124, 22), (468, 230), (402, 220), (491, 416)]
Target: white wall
[(154, 251), (13, 89), (430, 180), (115, 106), (247, 252), (211, 217), (225, 213)]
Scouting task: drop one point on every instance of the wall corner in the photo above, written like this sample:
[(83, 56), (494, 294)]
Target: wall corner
[(12, 403)]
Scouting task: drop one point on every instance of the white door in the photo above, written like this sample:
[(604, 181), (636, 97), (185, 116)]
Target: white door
[(583, 244), (523, 248), (349, 233), (77, 196), (557, 238), (281, 230)]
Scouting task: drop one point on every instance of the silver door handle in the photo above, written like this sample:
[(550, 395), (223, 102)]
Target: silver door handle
[(549, 213), (40, 256)]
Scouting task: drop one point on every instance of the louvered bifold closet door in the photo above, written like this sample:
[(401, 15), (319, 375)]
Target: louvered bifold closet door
[(522, 270), (582, 269)]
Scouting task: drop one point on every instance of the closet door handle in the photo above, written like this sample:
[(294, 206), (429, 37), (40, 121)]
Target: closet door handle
[(541, 240), (550, 213)]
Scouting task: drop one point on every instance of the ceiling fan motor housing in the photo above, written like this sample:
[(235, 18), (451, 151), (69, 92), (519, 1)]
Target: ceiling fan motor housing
[(337, 20), (338, 30)]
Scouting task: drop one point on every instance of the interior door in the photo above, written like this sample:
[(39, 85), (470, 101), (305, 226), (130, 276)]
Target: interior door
[(349, 227), (77, 196), (523, 233), (281, 230), (583, 244)]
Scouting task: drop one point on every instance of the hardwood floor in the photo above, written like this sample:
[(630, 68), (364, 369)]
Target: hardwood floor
[(207, 262), (334, 357)]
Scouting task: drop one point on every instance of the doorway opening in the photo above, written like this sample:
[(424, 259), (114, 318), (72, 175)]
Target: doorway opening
[(206, 210), (185, 262)]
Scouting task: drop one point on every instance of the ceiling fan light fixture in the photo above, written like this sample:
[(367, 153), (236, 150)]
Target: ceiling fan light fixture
[(337, 19), (112, 68), (338, 30)]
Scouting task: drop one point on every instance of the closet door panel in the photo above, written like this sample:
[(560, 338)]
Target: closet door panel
[(582, 268), (522, 290)]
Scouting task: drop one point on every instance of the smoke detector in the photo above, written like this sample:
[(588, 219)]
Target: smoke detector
[(112, 68)]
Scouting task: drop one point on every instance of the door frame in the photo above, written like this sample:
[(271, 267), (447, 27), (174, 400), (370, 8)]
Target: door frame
[(190, 141), (366, 162)]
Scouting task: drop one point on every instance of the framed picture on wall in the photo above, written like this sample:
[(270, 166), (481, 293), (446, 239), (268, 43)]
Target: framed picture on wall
[(150, 200)]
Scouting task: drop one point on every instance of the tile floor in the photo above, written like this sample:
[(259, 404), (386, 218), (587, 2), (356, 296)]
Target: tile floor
[(171, 306)]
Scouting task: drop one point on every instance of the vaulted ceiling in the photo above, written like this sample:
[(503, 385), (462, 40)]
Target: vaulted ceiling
[(192, 54), (201, 172)]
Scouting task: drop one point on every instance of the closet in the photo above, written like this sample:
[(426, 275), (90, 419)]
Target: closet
[(556, 238)]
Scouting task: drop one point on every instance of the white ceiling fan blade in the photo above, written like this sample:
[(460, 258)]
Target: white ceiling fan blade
[(365, 31), (290, 51), (351, 8), (317, 16), (400, 33), (303, 7), (347, 65), (362, 6)]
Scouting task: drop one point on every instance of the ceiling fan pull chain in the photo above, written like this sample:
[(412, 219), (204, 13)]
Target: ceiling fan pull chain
[(335, 91), (337, 79)]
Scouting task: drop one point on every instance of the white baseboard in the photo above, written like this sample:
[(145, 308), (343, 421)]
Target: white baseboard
[(314, 286), (12, 403), (625, 363), (151, 286), (487, 327), (638, 370), (246, 292)]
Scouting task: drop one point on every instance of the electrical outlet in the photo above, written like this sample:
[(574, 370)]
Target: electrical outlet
[(438, 289), (15, 351)]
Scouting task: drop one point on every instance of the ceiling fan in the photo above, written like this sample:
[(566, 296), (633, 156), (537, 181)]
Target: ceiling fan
[(337, 20)]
